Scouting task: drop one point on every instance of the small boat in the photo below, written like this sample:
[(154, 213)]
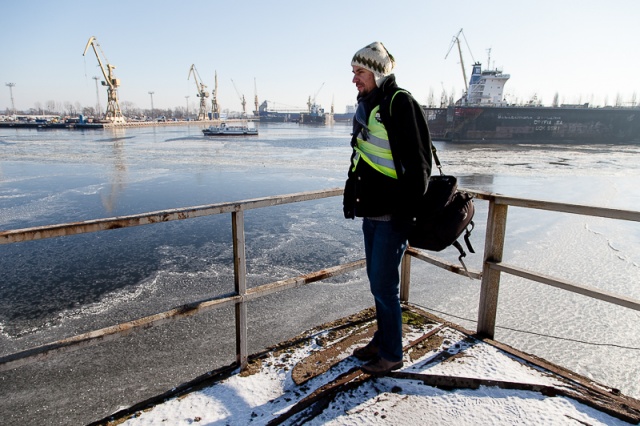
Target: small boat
[(224, 130)]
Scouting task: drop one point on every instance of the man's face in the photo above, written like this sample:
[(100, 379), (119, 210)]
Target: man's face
[(363, 79)]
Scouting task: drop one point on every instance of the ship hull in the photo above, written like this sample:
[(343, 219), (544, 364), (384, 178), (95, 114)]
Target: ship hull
[(343, 117), (476, 124), (321, 119), (279, 117)]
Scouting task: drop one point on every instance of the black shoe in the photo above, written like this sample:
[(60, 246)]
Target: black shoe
[(366, 353), (381, 366)]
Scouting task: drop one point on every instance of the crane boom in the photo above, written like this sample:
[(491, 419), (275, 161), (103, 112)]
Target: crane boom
[(316, 95), (456, 40), (215, 107), (202, 93), (114, 114), (255, 97), (242, 100), (311, 104)]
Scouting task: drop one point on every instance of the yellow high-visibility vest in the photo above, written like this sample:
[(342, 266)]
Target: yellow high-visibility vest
[(373, 146)]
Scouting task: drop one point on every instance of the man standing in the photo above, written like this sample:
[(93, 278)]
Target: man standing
[(389, 172)]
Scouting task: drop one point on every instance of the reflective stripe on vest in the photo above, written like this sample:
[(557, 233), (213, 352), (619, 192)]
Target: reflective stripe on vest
[(374, 148)]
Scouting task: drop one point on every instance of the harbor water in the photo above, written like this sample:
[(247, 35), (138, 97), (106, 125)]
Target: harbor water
[(60, 287)]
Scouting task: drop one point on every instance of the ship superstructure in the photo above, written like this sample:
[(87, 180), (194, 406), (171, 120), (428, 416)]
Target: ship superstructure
[(486, 87)]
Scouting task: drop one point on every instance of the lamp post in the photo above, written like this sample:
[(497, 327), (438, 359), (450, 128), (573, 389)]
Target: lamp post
[(13, 105), (187, 113), (151, 93)]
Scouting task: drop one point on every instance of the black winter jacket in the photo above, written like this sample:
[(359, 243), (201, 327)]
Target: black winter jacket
[(369, 193)]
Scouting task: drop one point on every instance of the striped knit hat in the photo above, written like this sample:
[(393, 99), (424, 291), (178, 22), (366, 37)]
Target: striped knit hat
[(375, 58)]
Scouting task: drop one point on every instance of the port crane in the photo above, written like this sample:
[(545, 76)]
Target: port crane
[(311, 103), (215, 107), (256, 112), (114, 114), (242, 100), (456, 40), (202, 93)]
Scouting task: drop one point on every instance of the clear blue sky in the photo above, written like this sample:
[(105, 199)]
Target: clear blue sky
[(584, 50)]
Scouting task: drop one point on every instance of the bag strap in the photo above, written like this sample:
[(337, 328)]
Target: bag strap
[(433, 147), (436, 159), (467, 234), (460, 249), (458, 246)]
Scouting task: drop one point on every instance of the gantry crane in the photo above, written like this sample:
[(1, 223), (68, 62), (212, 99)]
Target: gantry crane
[(242, 100), (114, 114), (202, 93)]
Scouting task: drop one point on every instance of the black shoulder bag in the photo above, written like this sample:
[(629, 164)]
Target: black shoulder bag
[(444, 214)]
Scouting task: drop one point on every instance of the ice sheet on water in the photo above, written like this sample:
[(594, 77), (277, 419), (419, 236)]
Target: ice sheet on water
[(69, 176)]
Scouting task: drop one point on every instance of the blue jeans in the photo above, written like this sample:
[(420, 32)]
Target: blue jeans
[(384, 245)]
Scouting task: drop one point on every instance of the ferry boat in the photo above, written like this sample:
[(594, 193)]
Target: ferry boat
[(225, 130)]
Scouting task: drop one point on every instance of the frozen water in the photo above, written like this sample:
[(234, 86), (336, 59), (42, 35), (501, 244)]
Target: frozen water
[(60, 287)]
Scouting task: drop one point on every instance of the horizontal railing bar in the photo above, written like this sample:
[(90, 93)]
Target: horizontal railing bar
[(109, 333), (592, 292), (28, 234), (79, 341), (75, 228), (419, 254), (289, 283), (580, 209)]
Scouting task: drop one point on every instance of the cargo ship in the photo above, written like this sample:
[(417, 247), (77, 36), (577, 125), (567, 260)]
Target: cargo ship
[(316, 115), (313, 114), (482, 116), (346, 116), (268, 114)]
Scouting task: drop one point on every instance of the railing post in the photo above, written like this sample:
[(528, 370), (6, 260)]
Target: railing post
[(493, 250), (405, 277), (240, 281)]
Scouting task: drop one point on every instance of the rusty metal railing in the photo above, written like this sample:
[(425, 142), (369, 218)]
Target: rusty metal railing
[(493, 265), (490, 274), (240, 297)]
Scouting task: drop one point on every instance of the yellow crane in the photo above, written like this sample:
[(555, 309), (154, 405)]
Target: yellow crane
[(202, 93), (114, 114), (256, 112), (215, 107), (311, 104), (242, 100), (456, 40)]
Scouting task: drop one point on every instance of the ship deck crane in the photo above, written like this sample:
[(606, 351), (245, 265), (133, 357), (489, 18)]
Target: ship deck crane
[(202, 93), (242, 100), (456, 40), (312, 103), (113, 114)]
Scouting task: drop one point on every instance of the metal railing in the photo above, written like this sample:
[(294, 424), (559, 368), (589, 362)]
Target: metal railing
[(492, 265), (489, 276)]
